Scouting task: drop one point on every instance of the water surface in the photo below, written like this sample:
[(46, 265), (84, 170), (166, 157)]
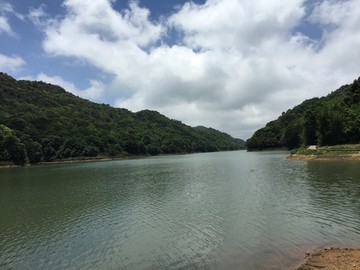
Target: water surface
[(229, 210)]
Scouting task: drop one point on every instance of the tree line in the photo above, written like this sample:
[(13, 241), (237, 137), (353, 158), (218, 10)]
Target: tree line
[(330, 120), (42, 122)]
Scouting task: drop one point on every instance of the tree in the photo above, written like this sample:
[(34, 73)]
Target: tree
[(292, 135), (309, 128), (11, 149), (330, 129), (54, 124), (352, 125)]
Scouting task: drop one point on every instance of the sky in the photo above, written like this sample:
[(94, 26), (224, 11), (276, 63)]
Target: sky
[(233, 65)]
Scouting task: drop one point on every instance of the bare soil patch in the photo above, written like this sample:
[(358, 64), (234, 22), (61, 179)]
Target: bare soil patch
[(332, 259)]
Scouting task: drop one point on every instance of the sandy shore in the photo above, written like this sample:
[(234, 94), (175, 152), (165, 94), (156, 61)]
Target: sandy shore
[(332, 259)]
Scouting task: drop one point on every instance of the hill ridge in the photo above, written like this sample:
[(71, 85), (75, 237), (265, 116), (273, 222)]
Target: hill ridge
[(42, 122), (329, 120)]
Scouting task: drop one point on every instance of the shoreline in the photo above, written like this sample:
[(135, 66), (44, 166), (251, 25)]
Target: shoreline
[(333, 152), (69, 161), (103, 158), (331, 258), (93, 159), (322, 157)]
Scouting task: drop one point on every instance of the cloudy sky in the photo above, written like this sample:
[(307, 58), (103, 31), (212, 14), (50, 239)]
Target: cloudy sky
[(232, 65)]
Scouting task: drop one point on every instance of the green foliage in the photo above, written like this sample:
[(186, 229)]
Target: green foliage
[(309, 128), (330, 120), (11, 149), (343, 150), (330, 126), (43, 122)]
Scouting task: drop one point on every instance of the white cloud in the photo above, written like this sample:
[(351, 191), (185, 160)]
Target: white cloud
[(331, 12), (7, 9), (235, 65), (4, 24), (235, 24), (340, 51), (98, 21), (5, 27), (10, 64), (93, 92), (37, 15)]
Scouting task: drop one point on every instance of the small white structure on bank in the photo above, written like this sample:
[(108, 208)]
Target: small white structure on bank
[(312, 147)]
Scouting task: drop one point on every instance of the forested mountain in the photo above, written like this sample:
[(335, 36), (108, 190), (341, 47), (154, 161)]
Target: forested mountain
[(330, 120), (43, 122)]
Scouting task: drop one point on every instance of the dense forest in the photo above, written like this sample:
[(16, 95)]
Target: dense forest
[(330, 120), (42, 122)]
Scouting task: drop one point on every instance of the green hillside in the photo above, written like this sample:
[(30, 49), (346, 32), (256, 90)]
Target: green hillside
[(330, 120), (43, 122)]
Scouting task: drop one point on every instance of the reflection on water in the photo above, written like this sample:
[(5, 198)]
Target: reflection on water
[(232, 210), (335, 199)]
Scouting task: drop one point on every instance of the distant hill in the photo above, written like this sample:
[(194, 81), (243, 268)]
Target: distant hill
[(330, 120), (43, 122)]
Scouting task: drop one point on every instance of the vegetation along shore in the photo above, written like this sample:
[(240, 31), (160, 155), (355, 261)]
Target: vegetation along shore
[(330, 120), (41, 122), (336, 152)]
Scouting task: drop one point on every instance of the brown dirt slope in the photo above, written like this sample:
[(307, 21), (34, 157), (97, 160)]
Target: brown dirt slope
[(333, 259)]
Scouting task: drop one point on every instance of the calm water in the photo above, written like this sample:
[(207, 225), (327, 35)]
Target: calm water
[(230, 210)]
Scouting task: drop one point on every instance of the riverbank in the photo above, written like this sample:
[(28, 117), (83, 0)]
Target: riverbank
[(332, 259), (336, 152), (74, 160), (94, 159), (4, 166), (323, 157)]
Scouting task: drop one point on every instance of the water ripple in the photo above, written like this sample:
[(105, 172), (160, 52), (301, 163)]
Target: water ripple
[(212, 211)]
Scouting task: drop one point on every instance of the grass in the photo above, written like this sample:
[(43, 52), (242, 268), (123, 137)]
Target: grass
[(332, 151)]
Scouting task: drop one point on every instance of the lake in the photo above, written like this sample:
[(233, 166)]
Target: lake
[(226, 210)]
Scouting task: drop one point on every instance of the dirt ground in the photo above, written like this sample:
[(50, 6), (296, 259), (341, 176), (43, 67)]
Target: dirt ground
[(332, 259)]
